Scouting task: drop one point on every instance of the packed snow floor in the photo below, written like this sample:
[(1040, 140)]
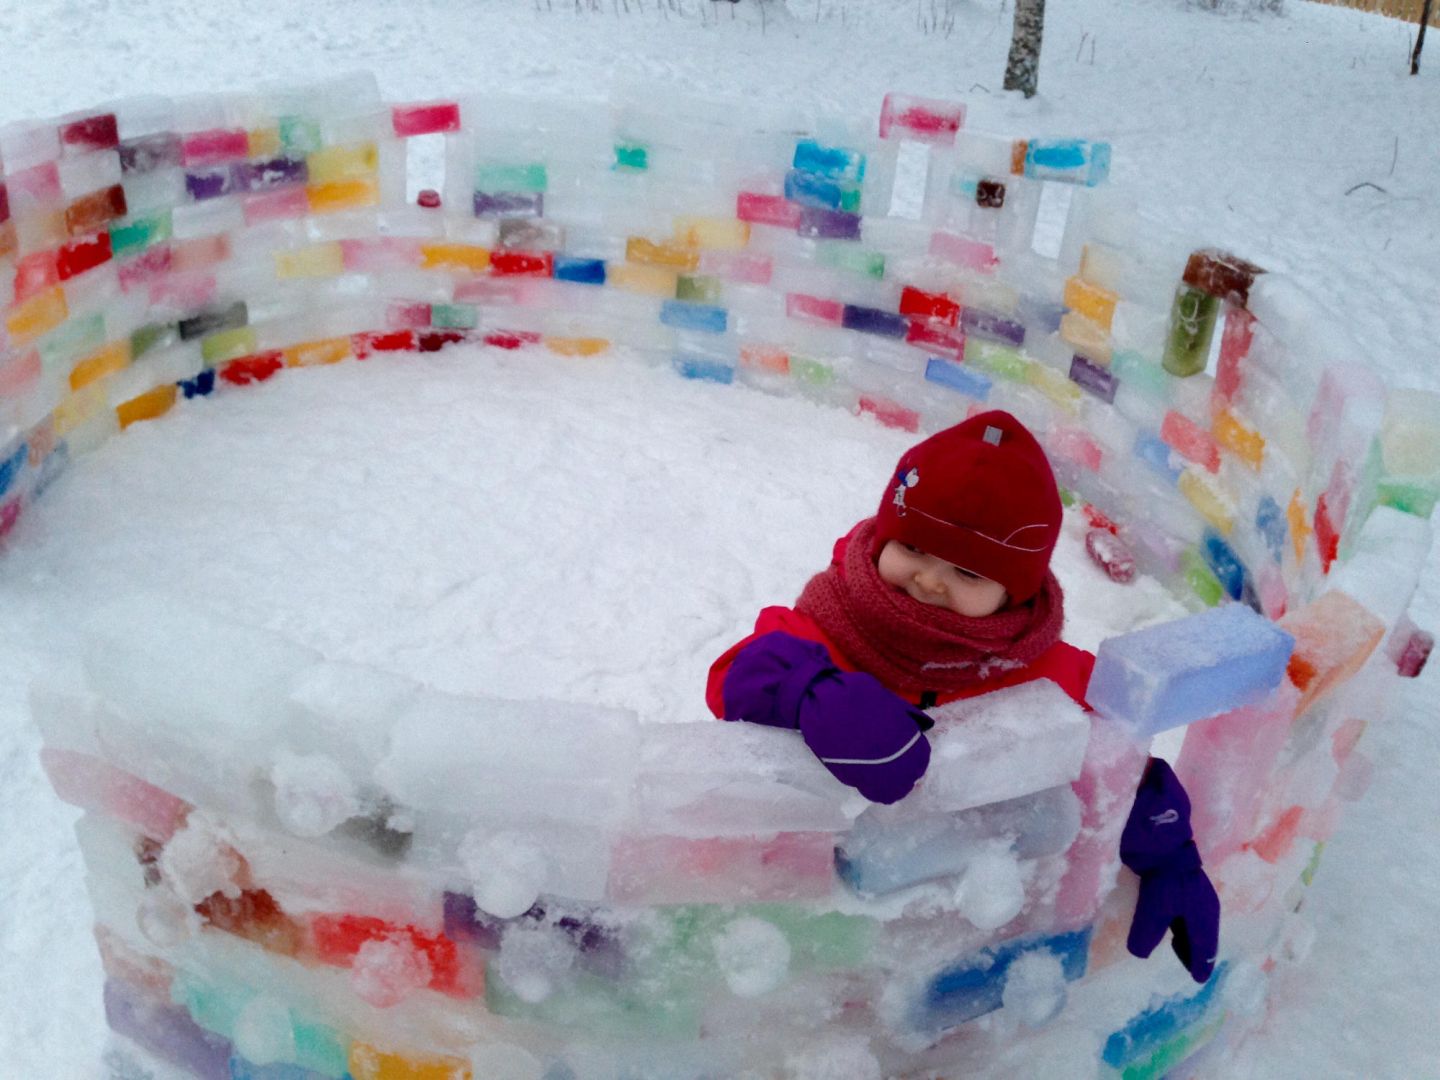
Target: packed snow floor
[(400, 514)]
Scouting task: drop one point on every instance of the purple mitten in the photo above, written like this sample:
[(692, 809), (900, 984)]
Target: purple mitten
[(866, 736), (1175, 893)]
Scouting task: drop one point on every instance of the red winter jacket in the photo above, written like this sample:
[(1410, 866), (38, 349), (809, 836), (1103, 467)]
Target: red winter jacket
[(1064, 665)]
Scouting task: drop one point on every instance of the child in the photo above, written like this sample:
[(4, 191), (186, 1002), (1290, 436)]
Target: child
[(947, 593)]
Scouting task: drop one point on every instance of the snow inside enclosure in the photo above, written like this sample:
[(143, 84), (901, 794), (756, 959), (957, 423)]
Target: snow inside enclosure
[(1296, 140)]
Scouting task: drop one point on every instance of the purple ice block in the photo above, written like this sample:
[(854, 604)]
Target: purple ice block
[(166, 1031), (986, 325), (824, 224), (270, 173), (509, 204), (209, 183), (150, 152), (1094, 378)]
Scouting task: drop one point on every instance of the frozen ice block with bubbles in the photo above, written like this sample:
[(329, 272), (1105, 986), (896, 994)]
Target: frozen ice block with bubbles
[(1168, 675)]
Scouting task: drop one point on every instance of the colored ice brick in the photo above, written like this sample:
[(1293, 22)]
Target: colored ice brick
[(712, 234), (683, 870), (808, 189), (1076, 161), (510, 263), (213, 147), (93, 784), (580, 271), (148, 153), (139, 233), (1189, 669), (430, 118), (762, 209), (202, 184), (1334, 636), (958, 377), (1147, 1031), (1221, 275), (1091, 301), (848, 257), (662, 253), (208, 322), (820, 224), (100, 132), (147, 406), (835, 162), (1207, 496), (818, 309), (926, 305), (921, 119), (964, 251), (632, 156), (995, 327), (166, 1031), (1190, 440), (531, 177), (371, 1063), (509, 204), (1412, 652), (698, 288), (684, 315), (867, 320), (888, 412), (976, 985), (1094, 379), (93, 212), (1241, 440), (269, 173), (1225, 564), (703, 368)]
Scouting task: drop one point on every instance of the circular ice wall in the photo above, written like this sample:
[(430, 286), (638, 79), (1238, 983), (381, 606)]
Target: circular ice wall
[(305, 868)]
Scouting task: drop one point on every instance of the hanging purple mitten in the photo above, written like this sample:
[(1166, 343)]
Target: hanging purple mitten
[(1175, 893), (866, 736)]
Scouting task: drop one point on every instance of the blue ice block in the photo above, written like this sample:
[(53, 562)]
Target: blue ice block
[(1225, 564), (972, 383), (1270, 523), (200, 386), (975, 985), (1189, 669), (1145, 1032), (1158, 454), (808, 189), (704, 368), (580, 271), (867, 320), (836, 162), (1077, 161), (684, 315), (12, 466), (240, 1069)]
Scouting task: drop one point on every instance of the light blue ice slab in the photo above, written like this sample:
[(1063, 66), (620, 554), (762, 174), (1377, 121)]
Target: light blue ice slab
[(703, 368), (684, 315), (975, 384), (1146, 1032), (836, 162), (1189, 669), (976, 985)]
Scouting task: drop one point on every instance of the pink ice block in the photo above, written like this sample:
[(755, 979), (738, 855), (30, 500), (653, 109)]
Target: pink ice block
[(890, 413), (1274, 596), (963, 251), (1109, 775), (380, 253), (1235, 344), (504, 291), (429, 119), (148, 266), (18, 374), (737, 266), (183, 290), (1190, 440), (1075, 445), (92, 784), (921, 119), (287, 202), (34, 186), (767, 210), (715, 870), (1225, 764), (1334, 635), (814, 308), (213, 147)]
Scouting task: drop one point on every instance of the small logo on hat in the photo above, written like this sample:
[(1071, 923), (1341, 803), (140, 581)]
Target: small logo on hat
[(904, 480), (993, 435)]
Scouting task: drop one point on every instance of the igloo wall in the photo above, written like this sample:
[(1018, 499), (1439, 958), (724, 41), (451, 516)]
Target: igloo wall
[(307, 869)]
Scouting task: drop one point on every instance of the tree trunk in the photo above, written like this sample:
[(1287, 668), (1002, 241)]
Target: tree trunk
[(1420, 39), (1022, 70)]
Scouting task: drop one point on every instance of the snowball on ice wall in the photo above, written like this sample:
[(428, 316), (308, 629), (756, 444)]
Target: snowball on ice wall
[(536, 846)]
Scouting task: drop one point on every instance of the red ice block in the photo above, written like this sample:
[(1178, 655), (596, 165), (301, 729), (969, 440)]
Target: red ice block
[(214, 147), (926, 305), (1235, 344), (507, 263), (99, 132), (936, 337), (1412, 651), (402, 314), (84, 254), (921, 119), (290, 202), (369, 342), (1190, 440), (92, 784), (429, 119), (34, 273), (890, 413), (257, 367), (337, 939), (145, 268), (767, 210), (512, 339), (255, 916)]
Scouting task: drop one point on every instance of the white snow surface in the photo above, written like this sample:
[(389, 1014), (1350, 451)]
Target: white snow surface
[(521, 524)]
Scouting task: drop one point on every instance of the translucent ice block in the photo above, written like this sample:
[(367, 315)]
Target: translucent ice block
[(1188, 669), (1334, 635), (680, 870), (922, 119)]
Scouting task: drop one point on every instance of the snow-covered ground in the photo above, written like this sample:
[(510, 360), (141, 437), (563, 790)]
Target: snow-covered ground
[(361, 509)]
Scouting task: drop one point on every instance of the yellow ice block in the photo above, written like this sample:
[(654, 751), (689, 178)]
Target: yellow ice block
[(146, 406), (576, 346), (357, 161), (102, 362), (1208, 498), (714, 234), (368, 1063), (317, 353), (228, 345), (468, 258), (78, 408), (675, 256), (1091, 301), (1243, 441), (1053, 385), (1088, 338), (1299, 524), (38, 315), (317, 260), (342, 195), (637, 277)]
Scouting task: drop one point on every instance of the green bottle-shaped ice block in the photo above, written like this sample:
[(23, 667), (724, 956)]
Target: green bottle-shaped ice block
[(1192, 325)]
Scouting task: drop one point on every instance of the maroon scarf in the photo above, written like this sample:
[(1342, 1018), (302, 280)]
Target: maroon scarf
[(913, 647)]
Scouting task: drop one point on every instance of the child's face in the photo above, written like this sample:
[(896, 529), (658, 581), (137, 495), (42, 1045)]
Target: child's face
[(932, 580)]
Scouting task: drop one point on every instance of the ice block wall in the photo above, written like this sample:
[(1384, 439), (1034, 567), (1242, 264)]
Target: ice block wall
[(303, 869)]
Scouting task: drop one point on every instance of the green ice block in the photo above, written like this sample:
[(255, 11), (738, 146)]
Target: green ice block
[(299, 134), (228, 344), (843, 256), (1172, 1053), (1193, 316), (147, 338), (1200, 578), (501, 176), (1411, 496), (813, 372), (321, 1049), (825, 940), (632, 155), (993, 358), (1144, 375), (71, 340), (698, 287), (214, 1006), (1312, 867), (141, 233), (455, 316), (643, 1008)]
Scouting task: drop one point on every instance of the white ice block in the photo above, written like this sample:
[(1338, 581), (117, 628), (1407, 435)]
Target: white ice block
[(1384, 569), (1002, 745)]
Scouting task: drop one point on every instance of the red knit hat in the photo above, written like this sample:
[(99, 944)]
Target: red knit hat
[(980, 495)]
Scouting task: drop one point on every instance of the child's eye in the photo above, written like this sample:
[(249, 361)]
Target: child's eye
[(912, 549), (966, 574)]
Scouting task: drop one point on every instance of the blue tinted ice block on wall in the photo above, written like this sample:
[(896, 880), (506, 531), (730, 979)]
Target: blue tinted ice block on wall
[(1164, 676)]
